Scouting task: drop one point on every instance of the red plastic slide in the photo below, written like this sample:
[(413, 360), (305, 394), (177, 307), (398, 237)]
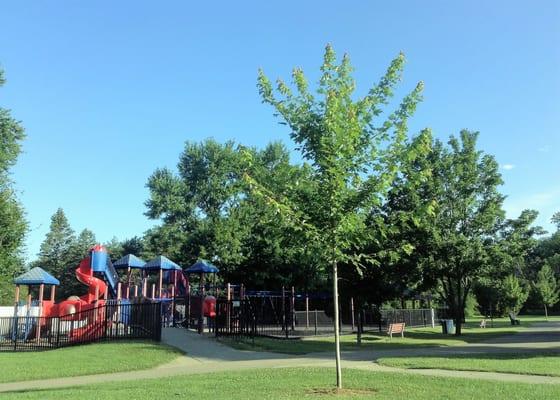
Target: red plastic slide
[(96, 286), (77, 308)]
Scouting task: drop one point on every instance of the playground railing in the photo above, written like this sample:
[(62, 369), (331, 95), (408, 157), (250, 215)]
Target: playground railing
[(106, 322)]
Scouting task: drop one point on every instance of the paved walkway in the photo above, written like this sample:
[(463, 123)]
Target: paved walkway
[(204, 355)]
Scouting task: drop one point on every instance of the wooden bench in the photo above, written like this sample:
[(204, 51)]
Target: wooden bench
[(395, 328)]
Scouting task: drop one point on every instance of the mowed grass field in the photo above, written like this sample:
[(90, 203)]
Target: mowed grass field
[(414, 337), (99, 358), (300, 383)]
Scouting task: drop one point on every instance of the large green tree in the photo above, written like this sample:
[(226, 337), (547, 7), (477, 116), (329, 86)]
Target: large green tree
[(462, 231), (12, 222), (275, 253), (407, 213), (353, 154), (546, 287), (195, 204), (208, 212)]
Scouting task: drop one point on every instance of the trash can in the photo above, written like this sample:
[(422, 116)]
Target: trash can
[(443, 326), (450, 326), (447, 327)]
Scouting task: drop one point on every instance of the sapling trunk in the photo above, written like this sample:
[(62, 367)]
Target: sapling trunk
[(336, 327)]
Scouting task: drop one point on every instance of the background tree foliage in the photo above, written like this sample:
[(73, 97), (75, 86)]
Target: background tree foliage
[(208, 212), (12, 220), (513, 294), (134, 245)]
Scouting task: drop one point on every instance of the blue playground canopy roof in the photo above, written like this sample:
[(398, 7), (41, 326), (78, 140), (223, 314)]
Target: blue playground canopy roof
[(36, 276), (202, 266), (162, 262), (129, 261)]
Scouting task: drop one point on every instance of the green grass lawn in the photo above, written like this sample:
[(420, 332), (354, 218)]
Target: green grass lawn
[(414, 337), (88, 359), (532, 364), (298, 383)]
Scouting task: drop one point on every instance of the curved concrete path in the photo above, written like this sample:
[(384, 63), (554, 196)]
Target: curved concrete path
[(204, 355)]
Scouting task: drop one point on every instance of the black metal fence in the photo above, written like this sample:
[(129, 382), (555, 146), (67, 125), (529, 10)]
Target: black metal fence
[(185, 312), (412, 318), (255, 316), (276, 316), (108, 322)]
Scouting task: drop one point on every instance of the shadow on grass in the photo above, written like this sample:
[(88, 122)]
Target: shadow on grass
[(497, 331), (553, 354), (534, 363), (479, 335), (414, 338)]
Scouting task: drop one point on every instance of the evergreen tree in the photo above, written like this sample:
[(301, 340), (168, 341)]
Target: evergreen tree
[(115, 248), (56, 251), (78, 249)]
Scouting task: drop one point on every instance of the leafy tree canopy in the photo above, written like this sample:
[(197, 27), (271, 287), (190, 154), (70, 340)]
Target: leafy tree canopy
[(13, 226)]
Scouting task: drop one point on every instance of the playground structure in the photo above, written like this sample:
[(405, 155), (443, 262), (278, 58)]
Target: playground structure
[(130, 281), (116, 298), (131, 298)]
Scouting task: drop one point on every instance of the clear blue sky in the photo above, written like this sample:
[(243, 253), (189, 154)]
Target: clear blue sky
[(110, 90)]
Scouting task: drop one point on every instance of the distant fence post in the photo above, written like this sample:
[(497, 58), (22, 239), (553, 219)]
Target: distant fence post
[(57, 331), (106, 324), (315, 321), (188, 306), (228, 309), (306, 311), (360, 327), (283, 310), (15, 333), (293, 309), (352, 311)]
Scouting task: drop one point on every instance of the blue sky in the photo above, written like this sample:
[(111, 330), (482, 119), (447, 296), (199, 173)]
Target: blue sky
[(108, 91)]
